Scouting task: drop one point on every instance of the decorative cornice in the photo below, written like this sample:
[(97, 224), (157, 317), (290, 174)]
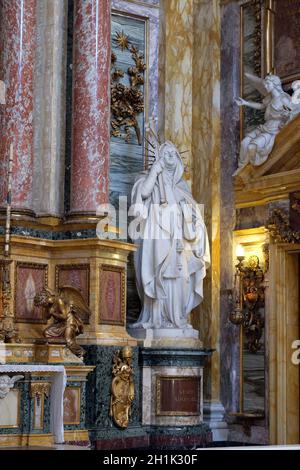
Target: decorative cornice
[(280, 229)]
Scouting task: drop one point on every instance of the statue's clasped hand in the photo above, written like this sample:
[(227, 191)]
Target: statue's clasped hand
[(158, 166)]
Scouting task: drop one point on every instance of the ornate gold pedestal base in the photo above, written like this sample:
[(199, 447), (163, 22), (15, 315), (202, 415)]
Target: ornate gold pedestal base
[(22, 440), (17, 352), (96, 267), (109, 335), (55, 353), (76, 436), (41, 353)]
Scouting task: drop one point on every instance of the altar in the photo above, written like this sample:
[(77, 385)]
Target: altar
[(31, 412)]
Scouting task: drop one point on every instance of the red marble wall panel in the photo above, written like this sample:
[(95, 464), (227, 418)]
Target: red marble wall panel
[(91, 106), (29, 279), (112, 295), (17, 63), (75, 275), (72, 405)]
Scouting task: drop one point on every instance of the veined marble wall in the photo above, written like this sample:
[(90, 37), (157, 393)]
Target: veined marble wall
[(141, 21), (148, 10), (127, 158), (206, 171), (177, 76), (230, 118)]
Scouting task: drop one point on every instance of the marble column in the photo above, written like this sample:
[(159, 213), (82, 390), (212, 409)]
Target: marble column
[(91, 104), (17, 63), (49, 116), (230, 143)]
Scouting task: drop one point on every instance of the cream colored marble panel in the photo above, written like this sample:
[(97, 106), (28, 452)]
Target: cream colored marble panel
[(9, 410), (190, 93), (179, 75), (206, 168)]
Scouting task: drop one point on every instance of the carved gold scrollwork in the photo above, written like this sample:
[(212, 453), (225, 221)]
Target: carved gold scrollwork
[(122, 387), (280, 229), (127, 101), (39, 388)]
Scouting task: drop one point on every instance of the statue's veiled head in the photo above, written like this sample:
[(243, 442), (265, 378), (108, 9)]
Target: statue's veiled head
[(172, 159)]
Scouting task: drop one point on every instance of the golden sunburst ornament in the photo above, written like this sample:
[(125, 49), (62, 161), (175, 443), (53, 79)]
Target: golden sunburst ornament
[(122, 40)]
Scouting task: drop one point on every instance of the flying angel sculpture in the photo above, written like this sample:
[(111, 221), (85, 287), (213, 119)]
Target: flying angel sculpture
[(257, 144)]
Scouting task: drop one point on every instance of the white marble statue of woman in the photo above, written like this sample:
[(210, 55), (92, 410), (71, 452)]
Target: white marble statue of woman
[(173, 250), (258, 144)]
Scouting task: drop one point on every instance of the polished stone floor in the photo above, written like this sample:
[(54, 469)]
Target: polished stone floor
[(55, 447)]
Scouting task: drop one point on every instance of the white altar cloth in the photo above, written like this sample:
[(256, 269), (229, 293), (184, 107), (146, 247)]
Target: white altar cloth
[(59, 381)]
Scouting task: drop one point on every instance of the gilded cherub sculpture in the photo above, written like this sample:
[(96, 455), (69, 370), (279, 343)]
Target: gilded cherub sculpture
[(68, 308), (122, 387)]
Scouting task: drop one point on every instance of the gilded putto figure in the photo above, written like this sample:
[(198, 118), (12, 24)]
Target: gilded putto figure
[(67, 308)]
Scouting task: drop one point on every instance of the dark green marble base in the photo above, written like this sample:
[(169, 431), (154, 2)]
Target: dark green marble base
[(104, 434), (99, 423), (181, 357)]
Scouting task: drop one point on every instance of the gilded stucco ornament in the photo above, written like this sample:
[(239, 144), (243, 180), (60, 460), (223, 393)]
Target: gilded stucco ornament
[(68, 309), (280, 229), (127, 102), (279, 110), (122, 387), (249, 301)]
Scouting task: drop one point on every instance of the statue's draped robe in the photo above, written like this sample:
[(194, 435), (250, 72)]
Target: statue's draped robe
[(263, 136), (170, 265)]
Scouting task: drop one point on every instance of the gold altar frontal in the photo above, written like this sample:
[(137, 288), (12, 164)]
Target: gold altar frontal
[(96, 267)]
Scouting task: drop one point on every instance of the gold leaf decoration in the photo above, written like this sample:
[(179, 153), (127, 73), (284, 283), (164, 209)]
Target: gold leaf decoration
[(127, 102), (122, 40)]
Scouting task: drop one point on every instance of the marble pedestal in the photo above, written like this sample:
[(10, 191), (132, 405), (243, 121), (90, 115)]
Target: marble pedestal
[(167, 337), (172, 390)]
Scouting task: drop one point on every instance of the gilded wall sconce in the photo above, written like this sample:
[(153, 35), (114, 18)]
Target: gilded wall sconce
[(248, 314), (249, 299)]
